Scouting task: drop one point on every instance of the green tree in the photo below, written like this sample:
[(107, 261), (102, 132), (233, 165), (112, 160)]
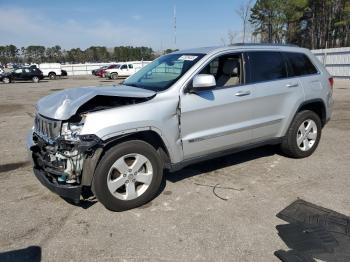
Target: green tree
[(76, 55), (309, 23), (268, 20), (129, 53), (9, 53), (54, 54), (35, 54)]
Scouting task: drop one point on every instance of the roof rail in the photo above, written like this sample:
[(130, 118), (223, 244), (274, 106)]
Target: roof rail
[(262, 44)]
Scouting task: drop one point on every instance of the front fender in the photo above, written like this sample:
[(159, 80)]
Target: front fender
[(136, 130), (158, 115)]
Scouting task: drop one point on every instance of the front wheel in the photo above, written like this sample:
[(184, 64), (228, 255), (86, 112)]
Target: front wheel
[(128, 175), (303, 135), (35, 79)]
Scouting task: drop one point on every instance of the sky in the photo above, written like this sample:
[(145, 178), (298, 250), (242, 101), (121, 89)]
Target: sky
[(150, 23)]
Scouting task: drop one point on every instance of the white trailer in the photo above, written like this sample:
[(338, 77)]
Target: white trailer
[(51, 70)]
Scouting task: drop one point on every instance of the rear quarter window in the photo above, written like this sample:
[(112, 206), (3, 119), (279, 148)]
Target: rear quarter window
[(266, 66), (300, 64)]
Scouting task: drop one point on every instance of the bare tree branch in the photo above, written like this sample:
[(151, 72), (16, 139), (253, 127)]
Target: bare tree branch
[(244, 12)]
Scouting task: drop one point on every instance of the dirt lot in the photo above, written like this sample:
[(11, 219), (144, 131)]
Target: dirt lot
[(186, 221)]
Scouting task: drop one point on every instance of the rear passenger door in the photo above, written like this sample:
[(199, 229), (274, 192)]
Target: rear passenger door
[(302, 67), (27, 74), (276, 95)]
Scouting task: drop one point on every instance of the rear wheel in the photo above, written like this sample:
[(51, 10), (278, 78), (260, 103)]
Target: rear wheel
[(35, 79), (52, 76), (114, 76), (128, 175), (6, 80), (303, 135)]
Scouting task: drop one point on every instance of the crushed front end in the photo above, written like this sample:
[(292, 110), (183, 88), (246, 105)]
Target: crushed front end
[(59, 154)]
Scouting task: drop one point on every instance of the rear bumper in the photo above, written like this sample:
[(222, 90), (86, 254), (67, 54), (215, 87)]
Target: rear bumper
[(67, 191)]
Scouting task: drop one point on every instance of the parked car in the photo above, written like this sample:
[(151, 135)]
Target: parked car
[(94, 72), (22, 74), (102, 72), (182, 108), (125, 69)]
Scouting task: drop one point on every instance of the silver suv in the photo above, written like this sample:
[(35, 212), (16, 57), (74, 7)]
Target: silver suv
[(184, 107)]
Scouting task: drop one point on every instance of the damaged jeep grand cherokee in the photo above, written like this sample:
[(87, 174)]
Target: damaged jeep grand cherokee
[(182, 108)]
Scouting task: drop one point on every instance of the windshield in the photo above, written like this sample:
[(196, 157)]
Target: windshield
[(163, 72)]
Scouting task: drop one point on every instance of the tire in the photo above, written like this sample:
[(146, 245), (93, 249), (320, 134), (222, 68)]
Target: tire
[(6, 80), (52, 76), (111, 186), (35, 79), (114, 76), (303, 135)]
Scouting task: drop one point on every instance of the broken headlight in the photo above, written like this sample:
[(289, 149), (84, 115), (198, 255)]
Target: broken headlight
[(71, 131)]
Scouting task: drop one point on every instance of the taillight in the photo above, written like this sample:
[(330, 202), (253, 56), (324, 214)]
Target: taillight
[(331, 82)]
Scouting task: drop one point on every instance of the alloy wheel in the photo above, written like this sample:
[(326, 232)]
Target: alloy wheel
[(307, 135), (130, 176)]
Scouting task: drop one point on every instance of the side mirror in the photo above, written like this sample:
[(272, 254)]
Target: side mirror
[(203, 82)]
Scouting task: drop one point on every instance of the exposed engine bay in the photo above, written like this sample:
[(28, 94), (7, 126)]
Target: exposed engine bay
[(101, 102), (63, 157)]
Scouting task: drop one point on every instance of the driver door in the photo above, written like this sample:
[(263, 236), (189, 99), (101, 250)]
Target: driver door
[(221, 118), (124, 70), (18, 74)]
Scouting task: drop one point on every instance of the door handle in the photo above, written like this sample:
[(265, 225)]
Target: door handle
[(292, 85), (242, 93)]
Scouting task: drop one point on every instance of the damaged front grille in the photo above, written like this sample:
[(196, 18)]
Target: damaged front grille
[(47, 128)]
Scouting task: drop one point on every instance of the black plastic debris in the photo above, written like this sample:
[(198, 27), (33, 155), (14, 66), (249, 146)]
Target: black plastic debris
[(313, 233), (293, 256), (31, 253)]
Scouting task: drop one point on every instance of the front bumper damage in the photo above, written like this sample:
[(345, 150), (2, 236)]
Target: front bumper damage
[(50, 173), (71, 192)]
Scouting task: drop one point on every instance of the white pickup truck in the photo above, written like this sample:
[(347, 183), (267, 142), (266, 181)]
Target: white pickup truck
[(50, 70), (125, 69)]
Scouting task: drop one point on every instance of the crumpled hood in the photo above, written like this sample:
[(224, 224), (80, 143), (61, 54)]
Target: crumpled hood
[(64, 104)]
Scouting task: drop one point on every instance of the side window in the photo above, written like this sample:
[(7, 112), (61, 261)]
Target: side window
[(130, 66), (18, 71), (124, 67), (300, 64), (27, 70), (266, 66), (226, 69), (211, 68)]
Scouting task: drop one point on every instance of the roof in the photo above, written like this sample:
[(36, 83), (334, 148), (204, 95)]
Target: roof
[(215, 49)]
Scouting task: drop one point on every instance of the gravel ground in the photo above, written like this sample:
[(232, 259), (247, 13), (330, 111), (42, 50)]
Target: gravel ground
[(186, 221)]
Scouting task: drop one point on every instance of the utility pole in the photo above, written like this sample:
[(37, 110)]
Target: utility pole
[(270, 28), (175, 26)]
